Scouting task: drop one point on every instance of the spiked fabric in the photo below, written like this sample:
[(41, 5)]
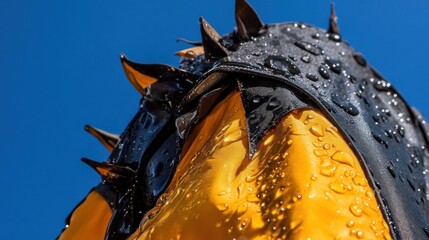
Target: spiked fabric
[(272, 74)]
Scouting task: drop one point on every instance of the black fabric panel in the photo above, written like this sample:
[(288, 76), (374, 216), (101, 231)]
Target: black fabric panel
[(266, 102)]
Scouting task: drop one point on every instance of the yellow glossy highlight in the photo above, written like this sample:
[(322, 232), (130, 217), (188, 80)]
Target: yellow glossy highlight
[(304, 182), (89, 220)]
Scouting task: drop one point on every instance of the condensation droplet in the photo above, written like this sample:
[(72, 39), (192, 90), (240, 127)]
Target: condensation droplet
[(281, 64), (338, 187), (343, 157), (309, 47), (356, 210), (306, 59), (317, 130), (334, 65), (360, 59), (360, 181), (323, 72), (312, 77)]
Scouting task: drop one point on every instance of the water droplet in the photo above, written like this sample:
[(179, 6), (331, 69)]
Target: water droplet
[(222, 207), (328, 170), (255, 119), (317, 130), (352, 78), (379, 139), (309, 47), (360, 234), (335, 37), (281, 64), (338, 187), (293, 58), (350, 224), (320, 153), (273, 103), (312, 77), (360, 59), (316, 36), (360, 181), (347, 107), (400, 129), (343, 157), (334, 65), (314, 177), (250, 178), (306, 59), (391, 171), (323, 72), (356, 210), (257, 99), (382, 85)]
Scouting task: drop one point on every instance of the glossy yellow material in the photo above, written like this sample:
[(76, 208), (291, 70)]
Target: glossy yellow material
[(191, 52), (138, 80), (304, 182), (89, 220)]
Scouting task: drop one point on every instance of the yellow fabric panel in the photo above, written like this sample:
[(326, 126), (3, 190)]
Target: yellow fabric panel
[(89, 220), (304, 182)]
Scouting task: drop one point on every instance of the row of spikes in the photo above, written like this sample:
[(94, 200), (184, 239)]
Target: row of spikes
[(143, 75), (106, 170), (248, 25)]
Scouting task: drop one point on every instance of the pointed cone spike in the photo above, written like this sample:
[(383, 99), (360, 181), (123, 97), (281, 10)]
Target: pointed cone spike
[(191, 52), (333, 21), (109, 171), (212, 47), (248, 22), (109, 140), (138, 79), (143, 75)]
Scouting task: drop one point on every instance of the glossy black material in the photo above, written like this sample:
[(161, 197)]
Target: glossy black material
[(266, 104), (276, 68)]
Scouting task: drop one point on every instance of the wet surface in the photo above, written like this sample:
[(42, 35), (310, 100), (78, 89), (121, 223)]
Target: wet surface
[(302, 173), (279, 68), (363, 104)]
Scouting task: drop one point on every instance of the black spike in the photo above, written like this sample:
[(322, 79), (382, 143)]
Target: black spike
[(109, 171), (333, 23), (143, 75), (109, 140), (212, 48), (248, 22)]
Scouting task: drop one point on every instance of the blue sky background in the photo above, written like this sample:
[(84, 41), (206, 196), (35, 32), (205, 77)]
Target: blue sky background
[(60, 69)]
